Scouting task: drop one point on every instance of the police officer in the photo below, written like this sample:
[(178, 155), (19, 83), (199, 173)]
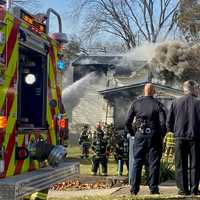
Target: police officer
[(84, 141), (122, 153), (150, 118), (100, 148), (184, 119)]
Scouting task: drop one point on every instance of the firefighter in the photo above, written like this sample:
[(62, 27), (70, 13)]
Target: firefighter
[(101, 148), (84, 141), (169, 145), (122, 153), (115, 139), (109, 133), (150, 129)]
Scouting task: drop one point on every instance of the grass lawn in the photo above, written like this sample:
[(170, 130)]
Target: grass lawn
[(86, 164), (166, 170)]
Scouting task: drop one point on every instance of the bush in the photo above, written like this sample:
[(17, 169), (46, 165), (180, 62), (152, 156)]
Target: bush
[(167, 171)]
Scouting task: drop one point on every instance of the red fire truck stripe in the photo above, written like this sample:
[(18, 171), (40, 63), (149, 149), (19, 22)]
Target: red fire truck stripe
[(31, 166), (53, 59), (10, 47), (10, 93), (19, 163), (11, 142), (11, 41), (58, 89), (10, 44), (50, 97), (10, 148), (2, 14), (52, 112), (8, 50)]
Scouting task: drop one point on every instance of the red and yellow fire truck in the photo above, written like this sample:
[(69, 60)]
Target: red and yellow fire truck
[(33, 123)]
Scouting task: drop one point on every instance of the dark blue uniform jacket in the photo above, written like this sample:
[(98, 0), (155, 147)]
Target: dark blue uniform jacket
[(150, 109), (184, 118)]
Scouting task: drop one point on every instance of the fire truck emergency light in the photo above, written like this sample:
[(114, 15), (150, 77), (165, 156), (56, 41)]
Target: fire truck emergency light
[(60, 65), (3, 121), (30, 79), (62, 123)]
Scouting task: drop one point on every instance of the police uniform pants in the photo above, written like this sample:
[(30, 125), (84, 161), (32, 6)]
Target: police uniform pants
[(121, 164), (96, 161), (85, 150), (187, 159), (146, 149)]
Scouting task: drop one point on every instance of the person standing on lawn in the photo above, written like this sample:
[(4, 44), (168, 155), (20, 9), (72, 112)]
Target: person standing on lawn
[(150, 120), (100, 147), (184, 121), (84, 142)]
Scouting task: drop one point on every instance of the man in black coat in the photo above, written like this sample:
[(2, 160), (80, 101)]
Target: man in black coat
[(150, 119), (184, 119)]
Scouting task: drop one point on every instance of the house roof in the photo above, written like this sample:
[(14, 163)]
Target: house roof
[(92, 60), (85, 60), (135, 90)]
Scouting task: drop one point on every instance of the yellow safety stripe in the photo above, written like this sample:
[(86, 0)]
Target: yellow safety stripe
[(6, 30), (9, 131), (51, 129), (9, 75), (38, 195)]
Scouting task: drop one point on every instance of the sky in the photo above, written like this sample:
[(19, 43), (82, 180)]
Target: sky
[(63, 7), (70, 26)]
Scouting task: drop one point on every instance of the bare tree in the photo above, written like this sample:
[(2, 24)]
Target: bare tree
[(188, 19), (151, 19)]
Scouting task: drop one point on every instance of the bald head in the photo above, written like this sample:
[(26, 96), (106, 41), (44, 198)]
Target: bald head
[(149, 89), (191, 87)]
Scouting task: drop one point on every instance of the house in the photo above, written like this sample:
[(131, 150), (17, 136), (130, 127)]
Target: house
[(119, 83), (120, 99)]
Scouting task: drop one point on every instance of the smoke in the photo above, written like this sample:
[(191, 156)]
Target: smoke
[(177, 59), (88, 61), (71, 95), (135, 58), (168, 60), (121, 107), (144, 52)]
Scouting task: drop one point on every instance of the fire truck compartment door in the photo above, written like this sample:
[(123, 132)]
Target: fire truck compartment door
[(32, 89)]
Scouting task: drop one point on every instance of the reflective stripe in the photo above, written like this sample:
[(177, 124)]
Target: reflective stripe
[(9, 141), (9, 75), (38, 195)]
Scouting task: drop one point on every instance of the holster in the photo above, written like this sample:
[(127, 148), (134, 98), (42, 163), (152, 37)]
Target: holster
[(144, 127)]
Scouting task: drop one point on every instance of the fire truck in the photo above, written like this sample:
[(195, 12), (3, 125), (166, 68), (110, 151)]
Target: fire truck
[(33, 122)]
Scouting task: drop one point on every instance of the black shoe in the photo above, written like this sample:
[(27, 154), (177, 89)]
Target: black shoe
[(195, 193), (154, 192), (94, 173), (183, 193), (133, 192)]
